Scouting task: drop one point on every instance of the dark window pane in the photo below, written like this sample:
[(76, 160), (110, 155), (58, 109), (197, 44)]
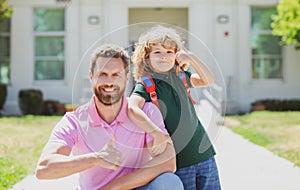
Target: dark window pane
[(49, 70), (5, 25), (49, 46), (266, 68), (49, 20), (261, 18), (265, 44), (4, 71), (4, 47)]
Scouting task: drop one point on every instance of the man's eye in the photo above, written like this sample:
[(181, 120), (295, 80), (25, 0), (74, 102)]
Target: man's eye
[(156, 52), (170, 52)]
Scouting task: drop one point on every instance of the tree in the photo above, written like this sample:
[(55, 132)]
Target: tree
[(286, 23), (5, 10)]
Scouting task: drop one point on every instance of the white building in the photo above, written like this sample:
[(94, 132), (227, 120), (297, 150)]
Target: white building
[(44, 46)]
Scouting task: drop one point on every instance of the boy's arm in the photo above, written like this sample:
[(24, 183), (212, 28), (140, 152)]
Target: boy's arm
[(136, 114), (203, 76), (165, 162)]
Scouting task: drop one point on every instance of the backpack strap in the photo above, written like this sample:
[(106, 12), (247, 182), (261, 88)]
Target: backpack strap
[(150, 88), (182, 77)]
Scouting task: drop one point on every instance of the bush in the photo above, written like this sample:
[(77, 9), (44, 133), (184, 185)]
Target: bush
[(3, 94), (31, 101), (279, 105), (52, 107)]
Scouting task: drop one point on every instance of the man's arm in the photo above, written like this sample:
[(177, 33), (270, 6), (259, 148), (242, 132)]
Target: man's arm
[(55, 161), (165, 162)]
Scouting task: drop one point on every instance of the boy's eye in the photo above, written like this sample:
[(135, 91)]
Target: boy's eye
[(170, 51), (156, 52)]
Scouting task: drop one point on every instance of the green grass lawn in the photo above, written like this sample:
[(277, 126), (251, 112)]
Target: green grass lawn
[(277, 131), (22, 139), (21, 142)]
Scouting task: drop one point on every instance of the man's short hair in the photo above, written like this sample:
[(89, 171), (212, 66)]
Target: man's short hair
[(110, 51)]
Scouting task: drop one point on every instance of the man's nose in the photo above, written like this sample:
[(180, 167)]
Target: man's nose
[(109, 80)]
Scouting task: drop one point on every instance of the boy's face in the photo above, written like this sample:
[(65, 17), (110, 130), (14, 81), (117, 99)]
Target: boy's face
[(162, 59)]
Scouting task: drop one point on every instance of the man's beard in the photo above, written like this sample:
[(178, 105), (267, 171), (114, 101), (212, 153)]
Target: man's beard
[(108, 100)]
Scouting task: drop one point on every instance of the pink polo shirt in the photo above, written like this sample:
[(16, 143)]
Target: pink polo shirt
[(85, 132)]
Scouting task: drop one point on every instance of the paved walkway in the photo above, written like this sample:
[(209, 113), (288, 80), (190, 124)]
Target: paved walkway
[(242, 166), (246, 166)]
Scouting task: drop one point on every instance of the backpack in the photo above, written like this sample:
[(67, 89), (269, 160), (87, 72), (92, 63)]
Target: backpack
[(149, 84)]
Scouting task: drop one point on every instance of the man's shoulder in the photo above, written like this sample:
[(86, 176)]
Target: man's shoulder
[(82, 112)]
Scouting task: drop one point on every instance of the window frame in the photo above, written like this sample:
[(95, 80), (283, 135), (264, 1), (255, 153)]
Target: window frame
[(280, 56), (49, 34)]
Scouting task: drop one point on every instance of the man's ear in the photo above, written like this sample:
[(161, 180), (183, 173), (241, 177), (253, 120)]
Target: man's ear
[(91, 75), (128, 76)]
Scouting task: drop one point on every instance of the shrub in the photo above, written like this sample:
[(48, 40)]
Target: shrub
[(31, 101), (279, 105), (52, 107)]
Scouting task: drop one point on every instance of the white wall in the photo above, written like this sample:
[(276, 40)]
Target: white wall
[(88, 34), (226, 48), (21, 56), (232, 51)]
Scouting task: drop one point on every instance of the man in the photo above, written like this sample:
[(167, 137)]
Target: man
[(108, 150)]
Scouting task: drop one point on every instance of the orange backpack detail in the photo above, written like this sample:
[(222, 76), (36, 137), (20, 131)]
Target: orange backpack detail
[(151, 88)]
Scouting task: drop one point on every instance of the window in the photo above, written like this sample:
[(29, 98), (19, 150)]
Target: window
[(266, 51), (49, 31), (5, 51)]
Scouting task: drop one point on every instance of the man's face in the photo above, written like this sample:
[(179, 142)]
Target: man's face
[(109, 80)]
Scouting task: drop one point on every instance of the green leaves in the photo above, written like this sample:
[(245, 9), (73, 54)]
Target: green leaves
[(286, 23), (5, 10)]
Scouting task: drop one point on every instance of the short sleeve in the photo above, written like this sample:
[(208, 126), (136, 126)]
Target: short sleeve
[(140, 90), (155, 116), (64, 132)]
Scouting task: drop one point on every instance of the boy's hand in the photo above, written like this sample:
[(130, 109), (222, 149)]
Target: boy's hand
[(183, 57), (159, 143), (110, 155)]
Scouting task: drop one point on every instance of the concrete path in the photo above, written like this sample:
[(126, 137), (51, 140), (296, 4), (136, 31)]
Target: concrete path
[(246, 166), (242, 165), (31, 183)]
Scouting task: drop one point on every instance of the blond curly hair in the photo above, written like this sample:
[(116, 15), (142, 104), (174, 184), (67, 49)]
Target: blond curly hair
[(165, 36)]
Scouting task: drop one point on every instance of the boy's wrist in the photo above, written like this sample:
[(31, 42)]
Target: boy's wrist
[(156, 133)]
